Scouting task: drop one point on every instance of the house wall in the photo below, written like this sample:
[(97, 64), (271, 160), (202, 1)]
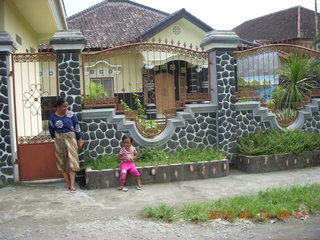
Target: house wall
[(189, 33), (129, 77), (15, 23)]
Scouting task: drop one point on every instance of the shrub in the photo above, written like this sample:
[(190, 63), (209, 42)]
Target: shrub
[(276, 142)]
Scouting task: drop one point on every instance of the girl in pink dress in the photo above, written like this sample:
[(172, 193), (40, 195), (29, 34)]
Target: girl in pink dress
[(127, 155)]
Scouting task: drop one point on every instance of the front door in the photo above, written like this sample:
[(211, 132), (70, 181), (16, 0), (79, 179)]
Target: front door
[(165, 92)]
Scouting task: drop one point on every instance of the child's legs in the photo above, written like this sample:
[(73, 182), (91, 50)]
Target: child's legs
[(124, 167), (138, 180), (134, 172)]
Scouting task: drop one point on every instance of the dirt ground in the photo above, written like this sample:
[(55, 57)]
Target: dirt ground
[(45, 211)]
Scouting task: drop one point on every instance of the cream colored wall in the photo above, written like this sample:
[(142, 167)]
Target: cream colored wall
[(30, 86), (130, 72), (1, 14), (15, 23), (190, 34)]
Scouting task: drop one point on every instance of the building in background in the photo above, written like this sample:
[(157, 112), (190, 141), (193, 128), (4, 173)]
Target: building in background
[(294, 25)]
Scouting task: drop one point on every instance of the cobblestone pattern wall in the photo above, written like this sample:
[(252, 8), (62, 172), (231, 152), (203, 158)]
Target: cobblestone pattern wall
[(199, 132), (313, 125), (226, 102), (247, 123), (101, 138), (6, 165), (69, 78)]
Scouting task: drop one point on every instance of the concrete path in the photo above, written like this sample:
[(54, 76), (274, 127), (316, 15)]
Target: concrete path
[(45, 211)]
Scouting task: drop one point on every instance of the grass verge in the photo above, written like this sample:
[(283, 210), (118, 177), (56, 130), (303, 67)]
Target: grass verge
[(281, 203), (154, 157)]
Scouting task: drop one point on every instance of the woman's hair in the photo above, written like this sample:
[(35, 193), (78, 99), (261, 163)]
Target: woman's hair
[(60, 102), (127, 137)]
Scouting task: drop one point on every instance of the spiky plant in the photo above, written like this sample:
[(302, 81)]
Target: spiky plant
[(297, 72)]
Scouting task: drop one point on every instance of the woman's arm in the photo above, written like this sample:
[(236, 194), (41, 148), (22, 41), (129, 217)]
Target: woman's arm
[(51, 127), (77, 128)]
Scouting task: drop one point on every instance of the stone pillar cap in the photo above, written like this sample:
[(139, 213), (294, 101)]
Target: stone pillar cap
[(220, 39), (71, 39), (6, 42)]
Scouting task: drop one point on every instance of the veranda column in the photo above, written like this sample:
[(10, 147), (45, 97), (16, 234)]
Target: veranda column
[(69, 44), (7, 47), (221, 46)]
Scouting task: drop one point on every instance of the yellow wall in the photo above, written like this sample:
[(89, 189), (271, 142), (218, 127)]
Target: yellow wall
[(15, 23), (190, 33), (130, 72), (1, 14)]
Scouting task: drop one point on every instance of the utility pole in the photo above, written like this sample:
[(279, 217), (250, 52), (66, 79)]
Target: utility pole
[(316, 17), (316, 23)]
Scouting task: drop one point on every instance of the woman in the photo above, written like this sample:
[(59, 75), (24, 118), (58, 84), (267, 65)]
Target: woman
[(65, 128)]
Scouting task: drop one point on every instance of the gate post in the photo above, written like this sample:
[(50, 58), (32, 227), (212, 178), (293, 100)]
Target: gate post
[(221, 46), (69, 44), (7, 47)]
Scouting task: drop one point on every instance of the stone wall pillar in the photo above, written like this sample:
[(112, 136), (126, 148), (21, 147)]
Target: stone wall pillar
[(69, 44), (7, 46), (221, 46)]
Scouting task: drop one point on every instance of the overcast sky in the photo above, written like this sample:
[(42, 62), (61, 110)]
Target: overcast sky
[(219, 14)]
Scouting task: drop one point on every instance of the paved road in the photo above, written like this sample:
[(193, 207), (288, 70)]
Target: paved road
[(44, 211)]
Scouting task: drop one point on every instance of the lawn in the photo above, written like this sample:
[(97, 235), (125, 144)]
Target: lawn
[(154, 157), (280, 203)]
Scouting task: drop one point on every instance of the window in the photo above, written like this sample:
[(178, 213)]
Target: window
[(18, 39), (107, 84)]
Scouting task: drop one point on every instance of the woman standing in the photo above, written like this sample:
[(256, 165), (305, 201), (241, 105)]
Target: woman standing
[(64, 127)]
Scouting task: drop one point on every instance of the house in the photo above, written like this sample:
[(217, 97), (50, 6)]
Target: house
[(294, 25), (28, 77), (29, 28), (156, 62)]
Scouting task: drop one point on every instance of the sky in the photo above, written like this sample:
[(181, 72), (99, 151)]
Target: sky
[(219, 14)]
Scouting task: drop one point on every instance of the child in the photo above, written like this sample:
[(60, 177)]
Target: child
[(127, 156)]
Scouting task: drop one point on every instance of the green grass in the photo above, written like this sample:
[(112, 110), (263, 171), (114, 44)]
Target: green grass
[(277, 142), (2, 185), (269, 204), (154, 157)]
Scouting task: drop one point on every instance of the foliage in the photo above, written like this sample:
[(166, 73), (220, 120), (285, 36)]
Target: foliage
[(155, 156), (281, 203), (297, 71), (317, 40), (95, 91), (146, 124), (278, 96), (276, 142), (285, 116)]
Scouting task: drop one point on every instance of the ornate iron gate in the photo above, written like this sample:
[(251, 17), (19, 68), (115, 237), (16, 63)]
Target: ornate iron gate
[(35, 82)]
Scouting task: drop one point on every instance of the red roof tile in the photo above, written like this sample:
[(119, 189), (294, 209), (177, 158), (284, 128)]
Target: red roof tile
[(279, 26), (114, 21)]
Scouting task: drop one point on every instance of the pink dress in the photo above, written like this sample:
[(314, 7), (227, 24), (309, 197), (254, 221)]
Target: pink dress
[(127, 166)]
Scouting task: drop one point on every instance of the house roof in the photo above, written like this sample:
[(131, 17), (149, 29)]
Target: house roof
[(288, 24), (182, 13), (115, 21)]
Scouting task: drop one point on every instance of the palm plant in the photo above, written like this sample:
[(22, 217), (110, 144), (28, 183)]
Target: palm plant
[(297, 72)]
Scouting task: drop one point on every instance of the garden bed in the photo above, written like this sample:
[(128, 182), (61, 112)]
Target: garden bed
[(109, 178), (278, 150), (278, 162)]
